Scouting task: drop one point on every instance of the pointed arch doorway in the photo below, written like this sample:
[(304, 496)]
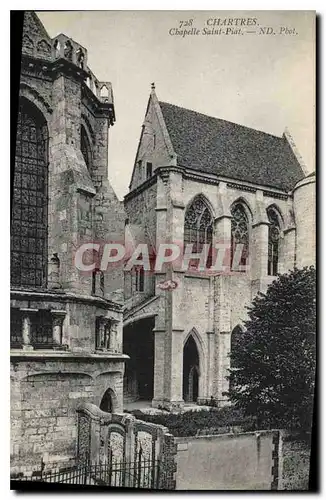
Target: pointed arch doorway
[(191, 372)]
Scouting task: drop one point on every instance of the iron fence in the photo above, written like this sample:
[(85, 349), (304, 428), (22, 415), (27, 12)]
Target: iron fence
[(140, 474)]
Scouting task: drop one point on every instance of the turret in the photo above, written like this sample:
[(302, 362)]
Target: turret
[(304, 203)]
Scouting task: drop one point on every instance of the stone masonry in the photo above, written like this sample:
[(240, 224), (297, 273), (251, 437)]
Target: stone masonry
[(208, 307), (66, 335)]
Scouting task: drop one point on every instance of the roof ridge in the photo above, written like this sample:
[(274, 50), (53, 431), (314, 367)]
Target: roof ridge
[(223, 120)]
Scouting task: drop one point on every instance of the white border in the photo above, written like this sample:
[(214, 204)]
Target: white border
[(319, 6)]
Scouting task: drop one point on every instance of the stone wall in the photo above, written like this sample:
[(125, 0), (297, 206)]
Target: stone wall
[(305, 215), (47, 385), (212, 306), (49, 380), (244, 461), (140, 213), (121, 437), (45, 393)]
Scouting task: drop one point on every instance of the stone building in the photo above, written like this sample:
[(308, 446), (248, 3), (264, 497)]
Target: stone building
[(203, 180), (66, 326)]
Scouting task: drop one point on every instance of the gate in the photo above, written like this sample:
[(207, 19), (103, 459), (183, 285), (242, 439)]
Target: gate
[(116, 450), (120, 450)]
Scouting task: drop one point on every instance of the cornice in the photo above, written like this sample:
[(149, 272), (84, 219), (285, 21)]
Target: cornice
[(60, 296), (241, 187), (189, 174), (277, 195)]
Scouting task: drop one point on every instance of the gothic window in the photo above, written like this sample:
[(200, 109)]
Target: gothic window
[(85, 148), (273, 242), (198, 229), (236, 334), (30, 199), (239, 234), (235, 339)]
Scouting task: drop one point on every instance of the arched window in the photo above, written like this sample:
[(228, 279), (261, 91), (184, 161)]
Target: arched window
[(30, 199), (236, 334), (85, 148), (198, 229), (104, 92), (273, 241), (140, 279), (239, 235), (235, 338), (190, 370)]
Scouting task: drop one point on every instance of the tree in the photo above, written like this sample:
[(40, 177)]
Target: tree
[(272, 371)]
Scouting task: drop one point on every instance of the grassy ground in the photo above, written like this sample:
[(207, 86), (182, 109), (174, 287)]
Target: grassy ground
[(296, 456)]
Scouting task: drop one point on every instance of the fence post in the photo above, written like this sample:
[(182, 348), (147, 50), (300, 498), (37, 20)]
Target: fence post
[(110, 465), (168, 466), (139, 466), (95, 440), (277, 457)]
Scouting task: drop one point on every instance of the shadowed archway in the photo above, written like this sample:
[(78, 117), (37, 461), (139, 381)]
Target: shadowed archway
[(138, 343), (108, 401), (191, 372)]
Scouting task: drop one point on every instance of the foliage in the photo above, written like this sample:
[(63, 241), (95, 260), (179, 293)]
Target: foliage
[(273, 361), (296, 459), (190, 423)]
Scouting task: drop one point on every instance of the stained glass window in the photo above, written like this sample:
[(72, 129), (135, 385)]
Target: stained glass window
[(30, 200), (273, 242), (239, 234), (198, 228)]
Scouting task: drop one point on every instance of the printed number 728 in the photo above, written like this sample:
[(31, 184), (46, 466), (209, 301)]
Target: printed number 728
[(185, 24)]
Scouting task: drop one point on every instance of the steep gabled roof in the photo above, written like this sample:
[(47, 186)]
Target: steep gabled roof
[(215, 146)]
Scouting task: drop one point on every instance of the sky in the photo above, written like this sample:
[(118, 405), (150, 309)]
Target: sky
[(263, 81)]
